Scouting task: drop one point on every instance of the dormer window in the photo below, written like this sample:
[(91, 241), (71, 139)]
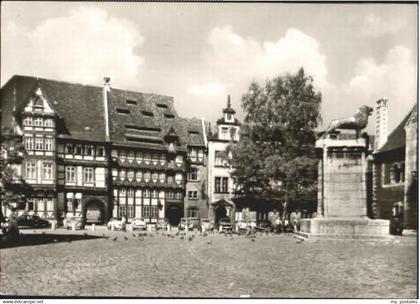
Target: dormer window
[(147, 113)]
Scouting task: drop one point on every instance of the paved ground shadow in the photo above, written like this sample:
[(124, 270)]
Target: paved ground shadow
[(44, 238)]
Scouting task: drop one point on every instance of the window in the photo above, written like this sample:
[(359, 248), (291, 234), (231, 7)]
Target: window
[(39, 143), (147, 113), (50, 204), (130, 156), (78, 150), (89, 150), (155, 159), (150, 212), (192, 212), (162, 105), (70, 174), (178, 195), (178, 178), (139, 176), (225, 133), (38, 122), (170, 194), (100, 151), (123, 111), (229, 116), (122, 211), (48, 144), (122, 154), (49, 122), (200, 155), (29, 143), (130, 175), (30, 170), (192, 175), (393, 173), (147, 158), (193, 155), (169, 116), (139, 157), (88, 175), (146, 211), (154, 193), (155, 177), (221, 184), (28, 121), (179, 159), (162, 178), (147, 176), (146, 193), (122, 174), (162, 159), (220, 159), (131, 102), (170, 179), (193, 194), (47, 171), (69, 149)]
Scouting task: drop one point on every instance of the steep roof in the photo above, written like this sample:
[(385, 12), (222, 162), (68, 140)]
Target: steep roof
[(136, 119), (396, 139), (80, 106)]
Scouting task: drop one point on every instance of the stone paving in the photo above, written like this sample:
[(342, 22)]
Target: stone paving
[(115, 263)]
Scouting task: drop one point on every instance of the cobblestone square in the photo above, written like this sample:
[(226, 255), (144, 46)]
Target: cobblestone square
[(107, 263)]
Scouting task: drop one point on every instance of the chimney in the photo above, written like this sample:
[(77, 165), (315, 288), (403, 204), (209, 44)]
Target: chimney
[(106, 90), (381, 126)]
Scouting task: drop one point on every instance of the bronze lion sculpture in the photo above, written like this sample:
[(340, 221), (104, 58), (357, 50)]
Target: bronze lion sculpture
[(357, 122)]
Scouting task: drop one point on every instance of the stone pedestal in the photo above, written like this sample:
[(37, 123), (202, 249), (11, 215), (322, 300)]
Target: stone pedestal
[(342, 193)]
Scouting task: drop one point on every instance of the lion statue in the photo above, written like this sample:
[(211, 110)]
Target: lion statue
[(357, 122)]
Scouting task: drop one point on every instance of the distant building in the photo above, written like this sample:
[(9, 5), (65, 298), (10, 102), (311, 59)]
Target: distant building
[(220, 183), (395, 163), (100, 151)]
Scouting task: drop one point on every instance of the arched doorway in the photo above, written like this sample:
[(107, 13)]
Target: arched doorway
[(222, 209), (94, 212), (174, 214)]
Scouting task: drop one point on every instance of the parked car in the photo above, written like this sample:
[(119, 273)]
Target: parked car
[(93, 217), (33, 221), (241, 225), (75, 221), (206, 225), (162, 224), (264, 226), (116, 223), (225, 224), (138, 223), (185, 224)]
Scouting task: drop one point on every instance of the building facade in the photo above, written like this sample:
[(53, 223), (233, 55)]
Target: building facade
[(104, 152), (395, 164), (220, 183)]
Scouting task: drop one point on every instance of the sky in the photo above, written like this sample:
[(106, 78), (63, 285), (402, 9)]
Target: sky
[(200, 52)]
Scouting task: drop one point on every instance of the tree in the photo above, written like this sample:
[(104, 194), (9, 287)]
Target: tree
[(13, 189), (275, 159)]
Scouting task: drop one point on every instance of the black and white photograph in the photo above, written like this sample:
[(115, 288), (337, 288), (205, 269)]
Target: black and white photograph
[(209, 150)]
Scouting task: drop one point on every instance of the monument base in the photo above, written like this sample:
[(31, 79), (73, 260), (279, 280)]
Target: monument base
[(343, 228)]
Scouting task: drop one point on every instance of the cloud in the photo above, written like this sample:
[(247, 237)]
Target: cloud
[(83, 47), (375, 26), (395, 78), (207, 89), (234, 59)]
